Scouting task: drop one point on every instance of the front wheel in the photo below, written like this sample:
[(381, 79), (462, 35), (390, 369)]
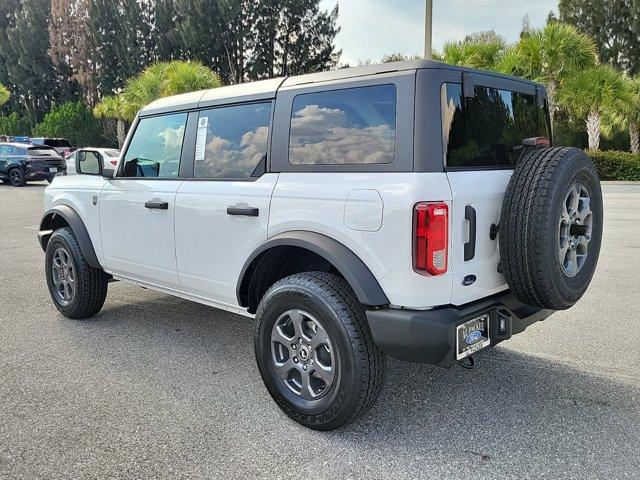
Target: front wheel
[(315, 352), (77, 289)]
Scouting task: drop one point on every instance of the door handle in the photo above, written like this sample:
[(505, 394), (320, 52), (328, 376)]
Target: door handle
[(470, 246), (243, 211), (157, 205)]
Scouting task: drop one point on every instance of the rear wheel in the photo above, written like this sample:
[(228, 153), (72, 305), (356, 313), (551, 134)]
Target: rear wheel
[(78, 290), (17, 178), (315, 352)]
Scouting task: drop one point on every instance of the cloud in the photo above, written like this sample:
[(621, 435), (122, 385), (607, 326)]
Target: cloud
[(226, 159), (322, 136)]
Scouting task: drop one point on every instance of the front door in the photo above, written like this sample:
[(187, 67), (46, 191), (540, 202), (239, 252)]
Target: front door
[(222, 213), (137, 207)]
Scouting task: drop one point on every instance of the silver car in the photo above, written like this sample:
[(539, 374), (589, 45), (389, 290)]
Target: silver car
[(102, 157)]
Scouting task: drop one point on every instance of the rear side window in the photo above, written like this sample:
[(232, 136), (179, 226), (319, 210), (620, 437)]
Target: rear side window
[(6, 149), (156, 146), (232, 141), (344, 127), (487, 130)]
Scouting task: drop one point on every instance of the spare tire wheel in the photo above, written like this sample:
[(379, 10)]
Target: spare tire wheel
[(551, 227)]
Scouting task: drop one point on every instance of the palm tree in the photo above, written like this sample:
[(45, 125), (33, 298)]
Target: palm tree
[(4, 95), (551, 55), (630, 114), (594, 94), (113, 107), (166, 79), (159, 80), (474, 53)]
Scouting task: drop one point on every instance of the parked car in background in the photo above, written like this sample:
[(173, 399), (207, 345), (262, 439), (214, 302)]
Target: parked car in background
[(62, 145), (105, 157), (21, 163)]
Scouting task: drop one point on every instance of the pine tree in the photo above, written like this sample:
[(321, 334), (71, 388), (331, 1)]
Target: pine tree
[(70, 49), (30, 72), (614, 25), (120, 40)]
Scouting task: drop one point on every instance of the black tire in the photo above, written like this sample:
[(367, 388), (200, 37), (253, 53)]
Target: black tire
[(359, 363), (49, 180), (16, 177), (90, 283), (532, 228)]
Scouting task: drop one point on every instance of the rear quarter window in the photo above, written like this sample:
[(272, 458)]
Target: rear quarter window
[(344, 127), (487, 131)]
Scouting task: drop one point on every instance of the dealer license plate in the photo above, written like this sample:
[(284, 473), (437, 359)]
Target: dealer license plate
[(53, 169), (472, 336)]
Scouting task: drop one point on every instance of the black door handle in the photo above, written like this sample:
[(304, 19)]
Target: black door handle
[(158, 205), (470, 246), (243, 211)]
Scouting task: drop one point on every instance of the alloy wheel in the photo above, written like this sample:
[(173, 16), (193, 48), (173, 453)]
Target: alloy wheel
[(64, 276), (576, 223), (302, 354)]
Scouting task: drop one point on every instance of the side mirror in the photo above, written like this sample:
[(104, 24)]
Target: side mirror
[(108, 173)]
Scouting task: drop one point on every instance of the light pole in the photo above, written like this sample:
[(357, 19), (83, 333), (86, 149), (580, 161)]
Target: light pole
[(428, 30)]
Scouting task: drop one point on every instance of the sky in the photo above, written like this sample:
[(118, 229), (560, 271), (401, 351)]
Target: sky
[(372, 28)]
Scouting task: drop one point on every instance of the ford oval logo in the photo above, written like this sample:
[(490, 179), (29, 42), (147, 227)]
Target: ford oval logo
[(473, 337), (469, 280)]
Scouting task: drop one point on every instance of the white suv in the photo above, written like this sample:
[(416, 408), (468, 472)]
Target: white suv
[(352, 213)]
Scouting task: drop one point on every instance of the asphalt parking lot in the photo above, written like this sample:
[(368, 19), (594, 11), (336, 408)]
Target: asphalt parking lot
[(157, 387)]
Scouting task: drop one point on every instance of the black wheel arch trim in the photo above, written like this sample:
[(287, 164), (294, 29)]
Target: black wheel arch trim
[(353, 269), (72, 218)]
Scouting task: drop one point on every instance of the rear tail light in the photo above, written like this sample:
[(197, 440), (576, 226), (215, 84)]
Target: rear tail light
[(431, 238), (114, 161)]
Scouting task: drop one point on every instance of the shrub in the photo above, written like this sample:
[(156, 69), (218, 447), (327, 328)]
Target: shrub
[(73, 121), (14, 124), (615, 165)]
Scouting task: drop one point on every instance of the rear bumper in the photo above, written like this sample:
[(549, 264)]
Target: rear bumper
[(430, 336)]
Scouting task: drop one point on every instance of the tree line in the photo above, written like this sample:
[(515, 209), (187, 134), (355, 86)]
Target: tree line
[(58, 51)]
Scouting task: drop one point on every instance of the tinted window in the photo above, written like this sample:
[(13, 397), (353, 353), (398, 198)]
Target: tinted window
[(43, 152), (232, 141), (57, 142), (487, 130), (344, 127), (156, 146), (89, 163)]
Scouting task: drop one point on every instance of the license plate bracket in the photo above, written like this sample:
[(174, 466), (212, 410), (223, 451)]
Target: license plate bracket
[(472, 335)]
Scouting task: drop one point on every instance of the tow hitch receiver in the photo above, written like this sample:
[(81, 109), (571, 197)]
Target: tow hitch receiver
[(472, 335)]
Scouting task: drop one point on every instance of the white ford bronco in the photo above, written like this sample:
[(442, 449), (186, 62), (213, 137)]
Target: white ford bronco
[(412, 209)]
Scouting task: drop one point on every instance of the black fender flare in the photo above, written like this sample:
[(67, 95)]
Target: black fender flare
[(353, 269), (72, 218)]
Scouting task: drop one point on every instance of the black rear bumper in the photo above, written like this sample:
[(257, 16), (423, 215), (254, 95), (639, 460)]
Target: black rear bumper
[(430, 336)]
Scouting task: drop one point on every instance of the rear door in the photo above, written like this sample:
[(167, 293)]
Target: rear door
[(483, 130), (222, 211), (5, 151)]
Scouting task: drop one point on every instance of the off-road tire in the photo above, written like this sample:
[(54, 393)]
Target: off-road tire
[(16, 177), (529, 227), (92, 283), (360, 363)]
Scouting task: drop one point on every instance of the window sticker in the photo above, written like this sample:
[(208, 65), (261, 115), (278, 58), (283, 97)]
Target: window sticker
[(201, 139)]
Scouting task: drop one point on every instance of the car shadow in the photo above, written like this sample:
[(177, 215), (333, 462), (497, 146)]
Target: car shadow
[(511, 407)]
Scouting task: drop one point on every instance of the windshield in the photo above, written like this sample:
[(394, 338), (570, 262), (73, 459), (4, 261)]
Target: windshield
[(43, 152)]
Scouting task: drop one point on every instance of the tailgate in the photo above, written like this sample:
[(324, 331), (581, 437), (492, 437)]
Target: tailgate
[(479, 192)]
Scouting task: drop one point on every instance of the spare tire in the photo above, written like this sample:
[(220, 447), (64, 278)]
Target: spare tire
[(551, 227)]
